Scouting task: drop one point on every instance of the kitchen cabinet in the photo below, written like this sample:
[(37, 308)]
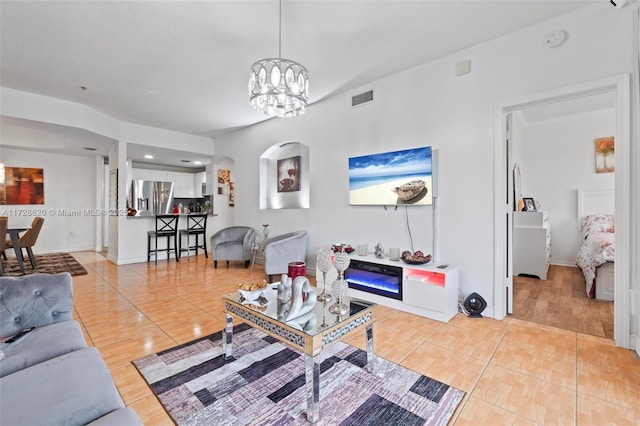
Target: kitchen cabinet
[(183, 184), (531, 244), (148, 174), (200, 179)]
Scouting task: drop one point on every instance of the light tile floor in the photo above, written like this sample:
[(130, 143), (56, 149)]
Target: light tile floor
[(513, 372)]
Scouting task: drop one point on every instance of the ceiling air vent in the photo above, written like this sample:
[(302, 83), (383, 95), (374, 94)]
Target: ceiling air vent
[(362, 98)]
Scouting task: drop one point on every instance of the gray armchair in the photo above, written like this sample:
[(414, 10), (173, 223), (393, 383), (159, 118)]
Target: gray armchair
[(282, 249), (233, 243)]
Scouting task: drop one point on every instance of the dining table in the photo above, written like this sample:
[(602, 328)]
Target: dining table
[(14, 236)]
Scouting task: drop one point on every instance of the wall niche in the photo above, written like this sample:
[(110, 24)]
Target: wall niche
[(284, 177)]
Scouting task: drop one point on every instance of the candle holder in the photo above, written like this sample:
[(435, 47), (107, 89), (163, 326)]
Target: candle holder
[(339, 287), (323, 261)]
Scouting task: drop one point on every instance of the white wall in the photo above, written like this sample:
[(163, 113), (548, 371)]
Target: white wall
[(69, 189), (429, 105), (556, 159)]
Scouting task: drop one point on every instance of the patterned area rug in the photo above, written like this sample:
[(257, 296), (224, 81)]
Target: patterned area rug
[(45, 264), (265, 384)]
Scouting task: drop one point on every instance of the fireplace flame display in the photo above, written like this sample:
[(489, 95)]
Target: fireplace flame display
[(383, 280)]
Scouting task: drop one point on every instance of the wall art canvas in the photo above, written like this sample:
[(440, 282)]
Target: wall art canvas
[(289, 174), (224, 179), (113, 192), (22, 185), (605, 155), (232, 195), (392, 178)]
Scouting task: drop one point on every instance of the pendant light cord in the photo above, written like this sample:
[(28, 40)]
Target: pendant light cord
[(280, 31)]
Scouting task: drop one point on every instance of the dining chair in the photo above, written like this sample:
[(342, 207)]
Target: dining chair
[(166, 227), (196, 225), (4, 224), (28, 239)]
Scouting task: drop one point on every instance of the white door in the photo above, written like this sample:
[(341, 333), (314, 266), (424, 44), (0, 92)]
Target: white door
[(511, 202)]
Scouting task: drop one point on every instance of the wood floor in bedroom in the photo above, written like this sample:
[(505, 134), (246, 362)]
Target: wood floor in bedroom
[(560, 301)]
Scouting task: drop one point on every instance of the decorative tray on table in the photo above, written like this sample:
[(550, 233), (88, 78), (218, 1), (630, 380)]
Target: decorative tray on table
[(417, 258)]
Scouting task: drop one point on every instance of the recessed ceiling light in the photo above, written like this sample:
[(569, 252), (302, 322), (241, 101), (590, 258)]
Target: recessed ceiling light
[(88, 148), (185, 161), (148, 156), (197, 162)]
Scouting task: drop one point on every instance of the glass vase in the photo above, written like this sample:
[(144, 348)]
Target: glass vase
[(323, 262)]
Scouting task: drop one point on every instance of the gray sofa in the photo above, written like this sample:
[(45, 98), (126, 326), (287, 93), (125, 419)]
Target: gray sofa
[(49, 376), (282, 249)]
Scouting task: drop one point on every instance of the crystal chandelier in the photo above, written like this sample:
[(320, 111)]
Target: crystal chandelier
[(279, 87)]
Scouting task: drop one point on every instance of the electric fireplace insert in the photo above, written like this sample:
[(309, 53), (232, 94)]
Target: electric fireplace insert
[(383, 280)]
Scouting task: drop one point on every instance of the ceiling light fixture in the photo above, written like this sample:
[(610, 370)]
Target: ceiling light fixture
[(148, 156), (279, 87)]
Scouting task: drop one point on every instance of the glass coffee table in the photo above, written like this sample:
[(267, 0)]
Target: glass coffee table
[(310, 332)]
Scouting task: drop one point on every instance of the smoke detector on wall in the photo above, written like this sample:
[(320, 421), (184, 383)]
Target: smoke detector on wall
[(556, 38)]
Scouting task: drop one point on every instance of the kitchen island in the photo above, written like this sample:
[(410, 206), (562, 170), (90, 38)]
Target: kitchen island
[(133, 231)]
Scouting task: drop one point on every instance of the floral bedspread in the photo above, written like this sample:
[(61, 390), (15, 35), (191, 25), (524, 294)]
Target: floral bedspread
[(597, 249)]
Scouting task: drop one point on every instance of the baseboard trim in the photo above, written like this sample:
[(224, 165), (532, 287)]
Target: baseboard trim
[(11, 253), (561, 263)]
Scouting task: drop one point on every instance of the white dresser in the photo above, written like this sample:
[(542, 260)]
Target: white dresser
[(531, 244)]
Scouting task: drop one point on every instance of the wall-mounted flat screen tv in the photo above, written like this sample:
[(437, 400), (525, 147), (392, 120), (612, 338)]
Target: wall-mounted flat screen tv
[(391, 178)]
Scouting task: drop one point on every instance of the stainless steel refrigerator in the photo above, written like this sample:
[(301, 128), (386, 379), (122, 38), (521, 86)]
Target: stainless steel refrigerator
[(151, 197)]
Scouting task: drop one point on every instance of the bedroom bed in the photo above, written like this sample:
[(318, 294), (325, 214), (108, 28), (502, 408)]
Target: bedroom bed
[(596, 252)]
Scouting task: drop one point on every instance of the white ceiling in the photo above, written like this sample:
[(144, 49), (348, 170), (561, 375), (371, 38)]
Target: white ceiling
[(183, 65)]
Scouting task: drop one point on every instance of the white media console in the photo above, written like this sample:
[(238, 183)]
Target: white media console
[(427, 290)]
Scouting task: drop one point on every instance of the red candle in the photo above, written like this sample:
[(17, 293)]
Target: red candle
[(297, 269)]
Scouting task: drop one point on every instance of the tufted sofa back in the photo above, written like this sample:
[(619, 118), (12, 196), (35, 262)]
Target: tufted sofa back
[(34, 301)]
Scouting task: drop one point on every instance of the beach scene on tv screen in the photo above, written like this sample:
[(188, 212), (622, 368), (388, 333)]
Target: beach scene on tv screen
[(391, 178)]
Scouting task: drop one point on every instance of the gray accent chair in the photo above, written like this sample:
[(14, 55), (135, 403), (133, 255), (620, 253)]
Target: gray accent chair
[(280, 250), (233, 243), (49, 375)]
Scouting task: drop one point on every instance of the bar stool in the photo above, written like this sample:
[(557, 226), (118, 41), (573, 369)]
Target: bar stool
[(166, 226), (196, 225)]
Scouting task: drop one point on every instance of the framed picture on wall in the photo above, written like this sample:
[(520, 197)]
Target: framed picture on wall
[(113, 192), (605, 155), (289, 174), (529, 205), (22, 185)]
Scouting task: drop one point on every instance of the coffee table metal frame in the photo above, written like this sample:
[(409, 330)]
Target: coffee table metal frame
[(310, 343)]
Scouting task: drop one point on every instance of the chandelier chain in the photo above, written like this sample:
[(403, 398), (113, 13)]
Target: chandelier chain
[(280, 31)]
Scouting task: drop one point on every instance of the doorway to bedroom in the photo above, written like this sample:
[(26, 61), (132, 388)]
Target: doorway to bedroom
[(553, 156), (504, 192)]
